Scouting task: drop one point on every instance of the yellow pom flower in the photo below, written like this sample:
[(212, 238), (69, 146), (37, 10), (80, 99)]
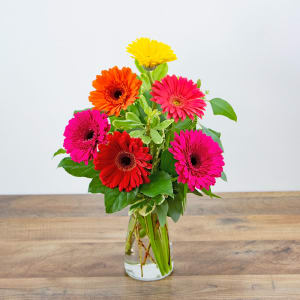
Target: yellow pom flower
[(150, 53)]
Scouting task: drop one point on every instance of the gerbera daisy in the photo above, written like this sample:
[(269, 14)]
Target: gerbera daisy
[(179, 97), (123, 162), (84, 132), (115, 90), (150, 53), (199, 157)]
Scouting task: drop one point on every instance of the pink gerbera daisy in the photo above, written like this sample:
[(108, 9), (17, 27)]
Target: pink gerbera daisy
[(179, 97), (199, 157), (84, 132)]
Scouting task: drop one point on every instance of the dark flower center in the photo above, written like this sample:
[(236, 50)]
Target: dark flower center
[(117, 94), (89, 135), (125, 161), (195, 160)]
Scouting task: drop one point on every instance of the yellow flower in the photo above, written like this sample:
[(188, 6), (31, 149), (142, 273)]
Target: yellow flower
[(150, 53)]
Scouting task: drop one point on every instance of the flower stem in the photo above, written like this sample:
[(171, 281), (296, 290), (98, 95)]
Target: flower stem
[(131, 228), (150, 232), (136, 232), (150, 77), (159, 239)]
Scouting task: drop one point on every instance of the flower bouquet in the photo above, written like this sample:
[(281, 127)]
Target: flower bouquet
[(142, 146)]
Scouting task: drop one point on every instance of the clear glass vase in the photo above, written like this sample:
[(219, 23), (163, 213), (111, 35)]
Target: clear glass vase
[(147, 250)]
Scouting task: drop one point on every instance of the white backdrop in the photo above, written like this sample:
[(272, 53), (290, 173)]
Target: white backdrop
[(244, 51)]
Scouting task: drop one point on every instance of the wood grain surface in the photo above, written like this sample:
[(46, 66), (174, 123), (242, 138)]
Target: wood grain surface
[(243, 246)]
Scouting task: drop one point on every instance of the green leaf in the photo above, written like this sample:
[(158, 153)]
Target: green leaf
[(139, 67), (115, 200), (96, 186), (133, 108), (162, 211), (132, 117), (223, 176), (160, 183), (209, 193), (146, 82), (146, 139), (213, 134), (156, 137), (148, 97), (138, 204), (78, 169), (126, 124), (183, 125), (177, 205), (144, 104), (59, 151), (77, 111), (174, 208), (137, 133), (198, 83), (147, 209), (155, 120), (218, 134), (159, 199), (222, 107), (167, 162), (160, 71), (165, 124), (196, 192), (111, 120), (181, 191)]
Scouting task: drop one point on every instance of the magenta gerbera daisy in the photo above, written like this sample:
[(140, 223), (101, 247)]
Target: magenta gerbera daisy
[(179, 97), (85, 131), (199, 159)]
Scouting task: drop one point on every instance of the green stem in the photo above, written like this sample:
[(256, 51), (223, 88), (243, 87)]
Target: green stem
[(165, 247), (137, 237), (166, 243), (131, 227), (195, 122), (159, 239), (150, 77), (157, 256), (159, 243), (162, 251), (154, 104), (169, 135)]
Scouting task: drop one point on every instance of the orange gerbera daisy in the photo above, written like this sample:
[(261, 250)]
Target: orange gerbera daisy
[(115, 90)]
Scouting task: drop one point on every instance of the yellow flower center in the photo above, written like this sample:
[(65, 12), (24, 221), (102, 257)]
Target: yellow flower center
[(176, 101)]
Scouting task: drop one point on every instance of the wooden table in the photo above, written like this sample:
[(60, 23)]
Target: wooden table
[(243, 246)]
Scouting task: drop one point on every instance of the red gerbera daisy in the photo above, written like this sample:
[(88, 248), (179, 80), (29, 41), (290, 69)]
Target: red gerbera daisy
[(123, 162), (179, 97)]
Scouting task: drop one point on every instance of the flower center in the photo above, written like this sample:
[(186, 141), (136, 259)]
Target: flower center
[(125, 161), (89, 135), (176, 101), (117, 94), (195, 160)]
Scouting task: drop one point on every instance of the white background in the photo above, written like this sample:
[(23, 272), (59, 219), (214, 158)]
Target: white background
[(244, 51)]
